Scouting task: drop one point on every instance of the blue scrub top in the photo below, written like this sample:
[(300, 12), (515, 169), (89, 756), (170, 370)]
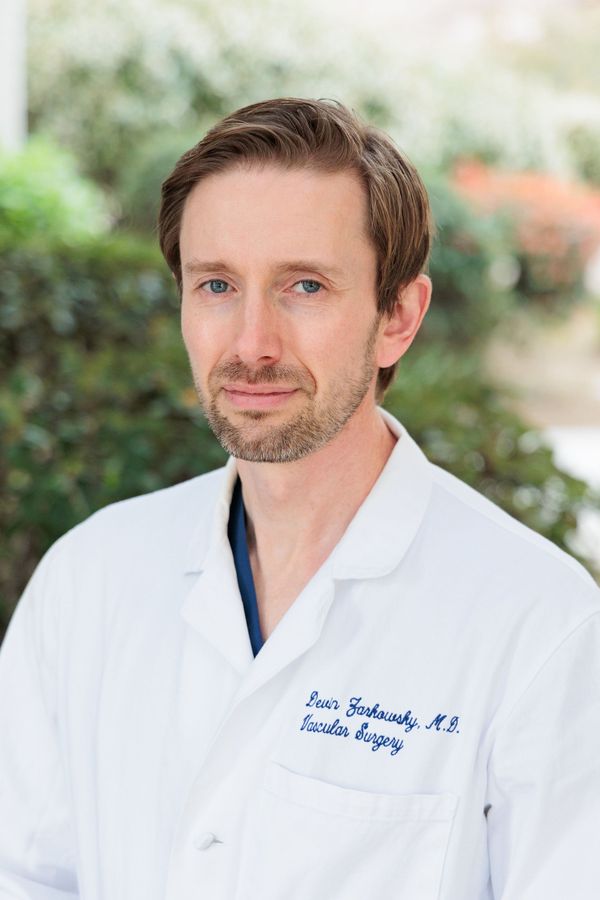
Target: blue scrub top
[(236, 531)]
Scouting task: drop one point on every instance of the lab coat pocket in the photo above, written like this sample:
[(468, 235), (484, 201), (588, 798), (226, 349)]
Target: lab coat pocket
[(306, 839)]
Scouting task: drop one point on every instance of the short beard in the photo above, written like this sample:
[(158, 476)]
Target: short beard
[(310, 430)]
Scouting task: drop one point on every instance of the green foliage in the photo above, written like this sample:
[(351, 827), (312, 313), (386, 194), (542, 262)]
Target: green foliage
[(463, 424), (98, 403), (466, 302), (41, 193), (141, 176), (584, 143), (107, 79)]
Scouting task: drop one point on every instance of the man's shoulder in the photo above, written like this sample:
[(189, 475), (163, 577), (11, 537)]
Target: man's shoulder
[(144, 538), (492, 538), (157, 518), (177, 497)]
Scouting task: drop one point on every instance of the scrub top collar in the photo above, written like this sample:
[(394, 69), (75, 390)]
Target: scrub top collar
[(238, 539)]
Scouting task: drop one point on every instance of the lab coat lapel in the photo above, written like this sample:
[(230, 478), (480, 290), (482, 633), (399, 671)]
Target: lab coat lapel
[(294, 635), (213, 606)]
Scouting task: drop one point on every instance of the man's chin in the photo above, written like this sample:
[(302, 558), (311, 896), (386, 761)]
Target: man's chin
[(255, 415), (253, 435)]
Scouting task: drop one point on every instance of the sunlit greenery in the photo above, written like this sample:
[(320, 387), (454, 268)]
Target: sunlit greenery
[(41, 193)]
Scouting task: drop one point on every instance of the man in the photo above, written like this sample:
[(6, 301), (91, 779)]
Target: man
[(329, 670)]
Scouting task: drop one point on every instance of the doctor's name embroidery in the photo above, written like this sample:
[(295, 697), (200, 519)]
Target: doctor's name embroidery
[(355, 720)]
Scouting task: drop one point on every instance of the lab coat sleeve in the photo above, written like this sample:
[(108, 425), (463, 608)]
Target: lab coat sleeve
[(37, 857), (543, 812)]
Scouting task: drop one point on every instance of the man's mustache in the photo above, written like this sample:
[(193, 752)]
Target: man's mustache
[(275, 374)]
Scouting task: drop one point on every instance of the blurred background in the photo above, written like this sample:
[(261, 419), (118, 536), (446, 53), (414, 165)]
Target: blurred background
[(497, 104)]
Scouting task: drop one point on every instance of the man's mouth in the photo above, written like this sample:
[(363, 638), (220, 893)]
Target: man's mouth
[(258, 396), (257, 389)]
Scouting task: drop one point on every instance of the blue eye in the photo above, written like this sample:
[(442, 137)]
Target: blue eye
[(310, 286), (217, 286)]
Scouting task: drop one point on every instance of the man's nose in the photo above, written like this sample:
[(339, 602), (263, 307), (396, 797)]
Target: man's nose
[(258, 338)]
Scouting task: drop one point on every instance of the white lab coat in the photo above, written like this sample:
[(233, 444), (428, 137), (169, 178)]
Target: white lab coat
[(424, 722)]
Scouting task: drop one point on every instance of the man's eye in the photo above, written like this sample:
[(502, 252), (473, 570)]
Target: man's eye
[(215, 286), (309, 286)]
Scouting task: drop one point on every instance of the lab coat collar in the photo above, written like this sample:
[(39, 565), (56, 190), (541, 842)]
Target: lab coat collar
[(210, 529), (387, 521), (376, 539), (374, 543)]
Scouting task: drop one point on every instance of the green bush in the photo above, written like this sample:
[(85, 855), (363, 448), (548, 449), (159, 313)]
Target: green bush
[(141, 176), (98, 404), (463, 423), (106, 78), (466, 303), (584, 142), (41, 193)]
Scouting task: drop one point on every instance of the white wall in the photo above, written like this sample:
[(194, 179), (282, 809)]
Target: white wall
[(13, 93)]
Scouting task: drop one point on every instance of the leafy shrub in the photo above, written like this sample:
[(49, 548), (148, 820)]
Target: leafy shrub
[(107, 78), (462, 422), (140, 178), (98, 403), (41, 193), (467, 302), (584, 142), (556, 226)]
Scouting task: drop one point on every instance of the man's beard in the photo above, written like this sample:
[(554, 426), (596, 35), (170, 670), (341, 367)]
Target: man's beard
[(309, 430)]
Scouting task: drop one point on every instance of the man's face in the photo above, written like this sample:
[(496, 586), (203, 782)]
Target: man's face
[(278, 307)]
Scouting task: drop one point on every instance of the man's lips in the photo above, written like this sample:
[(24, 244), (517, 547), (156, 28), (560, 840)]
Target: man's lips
[(257, 396), (257, 389)]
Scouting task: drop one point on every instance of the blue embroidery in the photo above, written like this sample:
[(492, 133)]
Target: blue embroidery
[(315, 700), (405, 719), (365, 734), (310, 724), (439, 719), (378, 740)]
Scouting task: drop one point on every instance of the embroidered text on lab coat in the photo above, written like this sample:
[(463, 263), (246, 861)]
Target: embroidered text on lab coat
[(354, 708)]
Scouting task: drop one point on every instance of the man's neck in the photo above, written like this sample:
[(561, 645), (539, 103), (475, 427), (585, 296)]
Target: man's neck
[(297, 512)]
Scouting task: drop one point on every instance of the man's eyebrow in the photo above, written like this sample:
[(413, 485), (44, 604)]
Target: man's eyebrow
[(311, 265), (195, 266)]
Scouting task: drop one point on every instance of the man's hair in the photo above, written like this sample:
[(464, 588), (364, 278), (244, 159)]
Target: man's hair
[(326, 136)]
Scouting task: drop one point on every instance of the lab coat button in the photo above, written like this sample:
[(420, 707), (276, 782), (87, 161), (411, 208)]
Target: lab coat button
[(204, 840)]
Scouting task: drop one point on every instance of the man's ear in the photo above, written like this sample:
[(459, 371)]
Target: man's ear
[(400, 327)]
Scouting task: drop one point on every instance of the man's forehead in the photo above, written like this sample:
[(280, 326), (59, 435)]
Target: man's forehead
[(279, 187), (285, 215)]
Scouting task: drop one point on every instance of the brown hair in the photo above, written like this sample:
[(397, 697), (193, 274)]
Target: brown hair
[(324, 135)]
